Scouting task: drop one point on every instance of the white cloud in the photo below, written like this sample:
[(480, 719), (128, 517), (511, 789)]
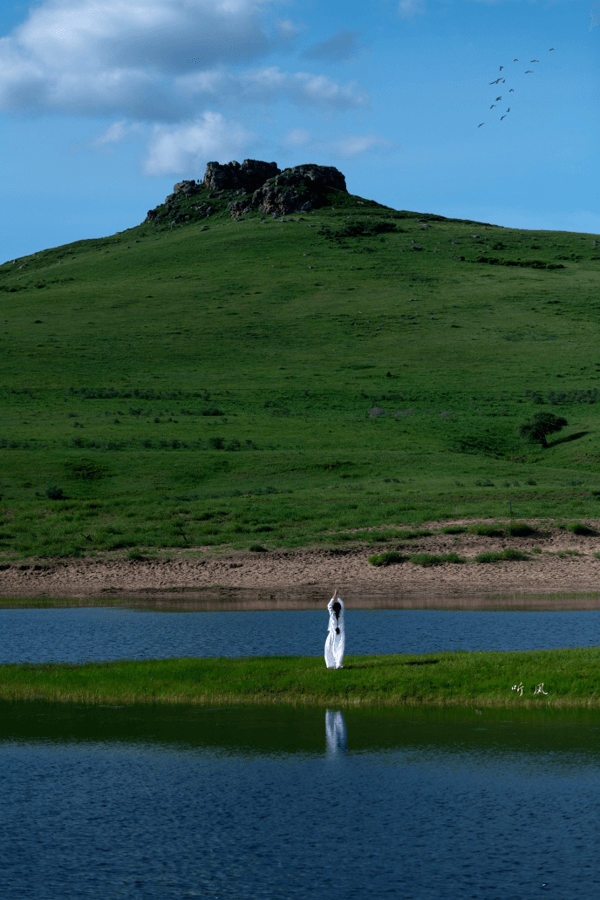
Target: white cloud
[(157, 64), (180, 150), (106, 140), (141, 61), (350, 145), (323, 91), (407, 9), (340, 46), (286, 29), (346, 145), (267, 84), (297, 137), (113, 134)]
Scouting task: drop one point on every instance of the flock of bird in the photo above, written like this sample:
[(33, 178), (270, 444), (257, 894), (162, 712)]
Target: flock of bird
[(511, 90)]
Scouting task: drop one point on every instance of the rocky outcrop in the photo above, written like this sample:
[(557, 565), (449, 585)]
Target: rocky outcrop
[(252, 186), (298, 189), (186, 188), (231, 176)]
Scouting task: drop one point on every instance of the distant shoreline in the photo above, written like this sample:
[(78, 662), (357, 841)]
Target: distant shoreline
[(558, 568)]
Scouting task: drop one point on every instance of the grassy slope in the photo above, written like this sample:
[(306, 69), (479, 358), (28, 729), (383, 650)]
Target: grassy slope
[(570, 678), (291, 334)]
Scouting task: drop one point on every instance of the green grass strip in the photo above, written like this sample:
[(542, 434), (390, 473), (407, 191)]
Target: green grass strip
[(571, 678)]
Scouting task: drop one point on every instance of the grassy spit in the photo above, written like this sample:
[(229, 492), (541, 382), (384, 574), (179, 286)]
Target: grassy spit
[(571, 678)]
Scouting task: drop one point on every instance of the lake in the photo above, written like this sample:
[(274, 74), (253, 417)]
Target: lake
[(82, 634), (296, 803)]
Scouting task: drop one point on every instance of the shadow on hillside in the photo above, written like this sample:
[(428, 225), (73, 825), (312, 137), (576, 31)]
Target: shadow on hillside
[(570, 437)]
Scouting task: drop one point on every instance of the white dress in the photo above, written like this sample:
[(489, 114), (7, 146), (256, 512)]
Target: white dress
[(336, 638)]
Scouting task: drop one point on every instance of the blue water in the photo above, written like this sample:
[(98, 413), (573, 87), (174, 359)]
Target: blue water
[(253, 803), (77, 635)]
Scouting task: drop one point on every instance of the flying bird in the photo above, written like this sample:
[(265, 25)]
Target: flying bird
[(508, 110), (502, 117), (529, 72), (479, 126), (512, 89), (534, 60), (551, 48), (498, 98), (504, 81), (496, 81), (492, 106), (515, 60), (501, 67)]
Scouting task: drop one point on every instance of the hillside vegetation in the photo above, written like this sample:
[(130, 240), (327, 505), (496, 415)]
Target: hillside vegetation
[(262, 382)]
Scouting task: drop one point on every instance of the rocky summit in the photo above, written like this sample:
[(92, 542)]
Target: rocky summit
[(253, 186), (231, 176)]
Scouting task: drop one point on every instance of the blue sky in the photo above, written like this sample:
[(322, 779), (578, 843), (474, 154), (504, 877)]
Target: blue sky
[(105, 104)]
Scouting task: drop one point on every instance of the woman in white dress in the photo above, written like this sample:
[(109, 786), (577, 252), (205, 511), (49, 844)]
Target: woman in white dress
[(336, 637)]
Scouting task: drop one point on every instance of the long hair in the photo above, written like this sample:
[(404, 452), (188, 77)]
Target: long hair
[(337, 608)]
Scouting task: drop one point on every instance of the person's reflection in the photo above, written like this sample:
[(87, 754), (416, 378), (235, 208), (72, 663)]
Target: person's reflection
[(335, 732)]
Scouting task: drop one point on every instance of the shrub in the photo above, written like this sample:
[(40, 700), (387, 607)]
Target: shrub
[(135, 555), (520, 529), (387, 559), (487, 530), (509, 554), (381, 537), (579, 528), (55, 493), (431, 559), (453, 529), (257, 548), (212, 411), (86, 470), (411, 535), (540, 426)]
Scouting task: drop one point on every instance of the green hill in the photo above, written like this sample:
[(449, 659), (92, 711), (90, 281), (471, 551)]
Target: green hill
[(202, 380)]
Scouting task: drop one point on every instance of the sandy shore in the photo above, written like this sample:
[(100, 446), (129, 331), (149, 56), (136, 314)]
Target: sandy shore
[(308, 576)]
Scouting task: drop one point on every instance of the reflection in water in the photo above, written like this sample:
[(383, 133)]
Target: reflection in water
[(237, 803), (335, 732)]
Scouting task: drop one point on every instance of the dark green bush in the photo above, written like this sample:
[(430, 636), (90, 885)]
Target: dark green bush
[(387, 559), (509, 554), (86, 470), (55, 493), (540, 427), (487, 530), (411, 535), (431, 559), (135, 555), (520, 529), (257, 548), (579, 528)]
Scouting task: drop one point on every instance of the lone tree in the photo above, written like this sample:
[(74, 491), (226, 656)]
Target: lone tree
[(542, 424)]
